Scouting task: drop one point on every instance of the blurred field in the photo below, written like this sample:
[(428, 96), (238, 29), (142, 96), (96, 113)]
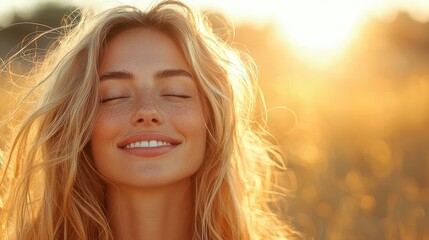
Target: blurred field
[(355, 131)]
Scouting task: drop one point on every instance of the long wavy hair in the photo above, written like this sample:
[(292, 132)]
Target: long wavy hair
[(51, 188)]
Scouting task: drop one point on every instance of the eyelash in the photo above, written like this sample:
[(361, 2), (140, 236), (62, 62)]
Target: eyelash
[(109, 99), (176, 95), (166, 95)]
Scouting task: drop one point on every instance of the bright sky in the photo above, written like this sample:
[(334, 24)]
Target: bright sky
[(313, 26), (248, 8)]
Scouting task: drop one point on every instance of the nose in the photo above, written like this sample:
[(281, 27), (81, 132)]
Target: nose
[(148, 113)]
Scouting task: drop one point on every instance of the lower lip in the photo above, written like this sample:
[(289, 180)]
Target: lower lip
[(150, 151)]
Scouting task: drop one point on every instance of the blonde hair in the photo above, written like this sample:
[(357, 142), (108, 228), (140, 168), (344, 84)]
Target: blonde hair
[(52, 188)]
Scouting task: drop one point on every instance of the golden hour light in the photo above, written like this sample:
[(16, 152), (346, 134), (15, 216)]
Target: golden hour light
[(339, 87), (321, 29)]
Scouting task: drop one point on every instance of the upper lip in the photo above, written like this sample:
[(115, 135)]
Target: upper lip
[(147, 136)]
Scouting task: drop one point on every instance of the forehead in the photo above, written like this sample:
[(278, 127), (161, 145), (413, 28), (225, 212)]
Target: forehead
[(138, 47)]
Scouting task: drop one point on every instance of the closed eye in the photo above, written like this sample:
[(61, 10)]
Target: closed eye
[(110, 99), (176, 95)]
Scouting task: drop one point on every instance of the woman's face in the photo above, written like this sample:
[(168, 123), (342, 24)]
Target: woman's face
[(150, 130)]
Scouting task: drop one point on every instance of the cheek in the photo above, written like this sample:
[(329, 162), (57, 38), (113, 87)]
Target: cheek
[(189, 118), (108, 124)]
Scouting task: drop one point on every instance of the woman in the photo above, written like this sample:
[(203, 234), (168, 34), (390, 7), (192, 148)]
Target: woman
[(145, 129)]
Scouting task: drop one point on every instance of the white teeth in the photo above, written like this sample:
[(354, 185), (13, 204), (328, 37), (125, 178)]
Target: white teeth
[(151, 143)]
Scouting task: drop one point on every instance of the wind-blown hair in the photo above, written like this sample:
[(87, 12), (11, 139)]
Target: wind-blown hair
[(52, 189)]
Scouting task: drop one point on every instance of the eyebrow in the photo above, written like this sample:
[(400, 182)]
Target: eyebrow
[(122, 74), (172, 73), (166, 73)]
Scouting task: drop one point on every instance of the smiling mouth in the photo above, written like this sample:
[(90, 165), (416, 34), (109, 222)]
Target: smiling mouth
[(149, 148), (148, 144)]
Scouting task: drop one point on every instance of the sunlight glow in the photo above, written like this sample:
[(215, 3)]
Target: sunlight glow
[(321, 27), (319, 30)]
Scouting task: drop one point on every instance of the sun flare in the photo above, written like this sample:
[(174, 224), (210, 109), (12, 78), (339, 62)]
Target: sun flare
[(321, 27)]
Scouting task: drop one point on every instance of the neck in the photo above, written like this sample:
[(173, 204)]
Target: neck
[(156, 213)]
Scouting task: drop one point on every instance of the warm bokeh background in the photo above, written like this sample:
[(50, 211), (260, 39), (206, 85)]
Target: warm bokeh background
[(351, 116)]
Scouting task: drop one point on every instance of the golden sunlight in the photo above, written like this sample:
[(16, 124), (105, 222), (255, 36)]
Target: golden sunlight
[(321, 27)]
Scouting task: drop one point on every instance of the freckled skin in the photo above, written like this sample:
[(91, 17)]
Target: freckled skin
[(145, 105)]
